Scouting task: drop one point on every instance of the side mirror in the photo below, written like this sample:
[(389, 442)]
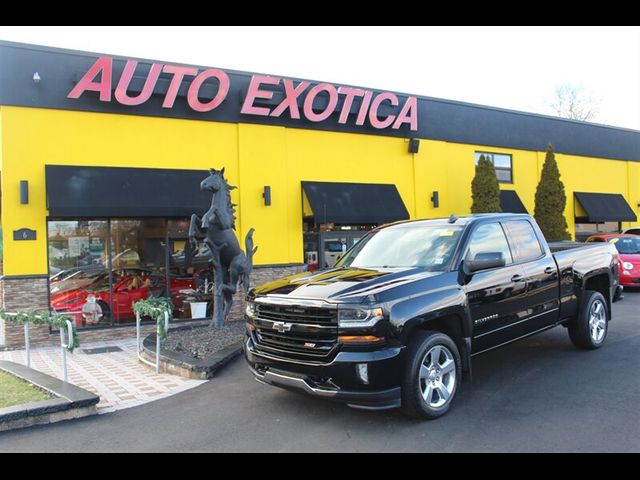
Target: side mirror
[(483, 261)]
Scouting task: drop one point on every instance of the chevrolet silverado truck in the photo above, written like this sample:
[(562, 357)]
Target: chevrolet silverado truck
[(396, 322)]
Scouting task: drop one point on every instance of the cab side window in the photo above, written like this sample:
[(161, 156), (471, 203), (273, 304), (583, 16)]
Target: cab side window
[(524, 241), (489, 238)]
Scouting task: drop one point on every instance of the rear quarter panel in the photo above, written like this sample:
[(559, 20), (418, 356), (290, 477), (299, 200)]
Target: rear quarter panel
[(577, 265)]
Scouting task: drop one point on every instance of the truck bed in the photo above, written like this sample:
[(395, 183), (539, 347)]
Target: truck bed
[(561, 246), (575, 260)]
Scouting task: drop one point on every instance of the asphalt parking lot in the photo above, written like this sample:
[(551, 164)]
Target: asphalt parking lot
[(540, 394)]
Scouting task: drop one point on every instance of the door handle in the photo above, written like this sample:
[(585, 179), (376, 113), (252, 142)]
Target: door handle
[(549, 270), (517, 278)]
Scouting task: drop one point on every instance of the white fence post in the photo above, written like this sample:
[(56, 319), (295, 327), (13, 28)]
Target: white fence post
[(166, 321), (137, 332), (63, 350), (63, 347), (26, 343)]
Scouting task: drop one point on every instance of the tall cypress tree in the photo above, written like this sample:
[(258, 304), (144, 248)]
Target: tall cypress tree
[(485, 191), (551, 200)]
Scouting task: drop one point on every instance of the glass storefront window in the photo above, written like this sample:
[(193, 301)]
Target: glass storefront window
[(99, 268), (138, 264), (78, 269), (191, 275)]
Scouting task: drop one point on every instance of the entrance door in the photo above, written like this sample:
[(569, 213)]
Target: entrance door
[(324, 249), (333, 248)]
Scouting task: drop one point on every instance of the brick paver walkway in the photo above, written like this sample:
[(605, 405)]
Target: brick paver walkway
[(118, 377)]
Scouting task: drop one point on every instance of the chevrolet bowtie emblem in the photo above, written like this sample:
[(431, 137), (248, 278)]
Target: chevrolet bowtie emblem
[(281, 326)]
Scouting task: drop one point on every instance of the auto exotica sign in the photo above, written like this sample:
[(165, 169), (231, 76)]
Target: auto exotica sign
[(299, 96)]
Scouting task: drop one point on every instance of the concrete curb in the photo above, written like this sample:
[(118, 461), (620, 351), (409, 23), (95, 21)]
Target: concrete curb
[(188, 367), (71, 401)]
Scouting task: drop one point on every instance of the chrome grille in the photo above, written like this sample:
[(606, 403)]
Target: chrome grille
[(312, 331), (297, 314)]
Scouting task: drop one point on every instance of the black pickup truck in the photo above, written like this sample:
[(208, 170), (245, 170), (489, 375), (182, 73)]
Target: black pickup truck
[(396, 321)]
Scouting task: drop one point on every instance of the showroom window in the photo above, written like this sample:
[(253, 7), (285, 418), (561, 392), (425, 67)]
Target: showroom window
[(501, 162), (99, 268), (79, 282)]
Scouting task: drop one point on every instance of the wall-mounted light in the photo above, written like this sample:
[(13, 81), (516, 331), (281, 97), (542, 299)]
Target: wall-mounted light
[(266, 194), (435, 199), (414, 145), (24, 192), (36, 77)]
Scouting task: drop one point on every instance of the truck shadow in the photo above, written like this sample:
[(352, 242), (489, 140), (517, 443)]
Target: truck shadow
[(518, 378)]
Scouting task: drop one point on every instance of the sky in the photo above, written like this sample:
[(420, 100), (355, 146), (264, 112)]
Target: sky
[(509, 67)]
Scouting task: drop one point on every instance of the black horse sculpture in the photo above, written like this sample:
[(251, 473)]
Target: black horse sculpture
[(230, 264)]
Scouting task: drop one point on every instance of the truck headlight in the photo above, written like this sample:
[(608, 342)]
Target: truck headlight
[(250, 310), (359, 317), (627, 265)]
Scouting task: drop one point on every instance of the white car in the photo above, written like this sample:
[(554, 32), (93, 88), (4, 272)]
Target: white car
[(632, 231)]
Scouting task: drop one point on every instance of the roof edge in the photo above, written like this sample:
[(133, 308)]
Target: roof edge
[(44, 48)]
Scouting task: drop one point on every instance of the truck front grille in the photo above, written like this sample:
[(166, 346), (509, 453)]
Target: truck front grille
[(296, 332), (290, 313)]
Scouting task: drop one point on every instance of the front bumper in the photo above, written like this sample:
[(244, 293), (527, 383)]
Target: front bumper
[(336, 380)]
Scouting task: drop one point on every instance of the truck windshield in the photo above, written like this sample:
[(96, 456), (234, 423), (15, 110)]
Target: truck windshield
[(429, 247)]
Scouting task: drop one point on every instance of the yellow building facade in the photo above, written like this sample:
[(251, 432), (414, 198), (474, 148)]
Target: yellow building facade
[(36, 132), (257, 155)]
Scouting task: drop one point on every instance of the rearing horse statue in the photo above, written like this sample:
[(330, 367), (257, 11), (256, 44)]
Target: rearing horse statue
[(230, 264)]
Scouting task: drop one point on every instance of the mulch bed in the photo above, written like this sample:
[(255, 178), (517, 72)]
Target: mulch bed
[(202, 341)]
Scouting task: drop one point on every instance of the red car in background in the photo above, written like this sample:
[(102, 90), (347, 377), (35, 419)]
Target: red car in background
[(628, 247), (129, 286)]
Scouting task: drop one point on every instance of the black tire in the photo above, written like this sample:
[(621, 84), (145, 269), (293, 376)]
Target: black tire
[(587, 331), (419, 352)]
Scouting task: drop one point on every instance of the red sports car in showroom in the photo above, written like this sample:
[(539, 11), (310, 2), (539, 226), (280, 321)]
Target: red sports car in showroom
[(129, 286), (628, 247)]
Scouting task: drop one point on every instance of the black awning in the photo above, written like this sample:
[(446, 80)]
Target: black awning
[(75, 191), (354, 203), (510, 202), (604, 207)]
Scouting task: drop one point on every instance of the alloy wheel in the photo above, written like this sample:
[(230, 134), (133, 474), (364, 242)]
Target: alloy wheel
[(597, 321), (437, 376)]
